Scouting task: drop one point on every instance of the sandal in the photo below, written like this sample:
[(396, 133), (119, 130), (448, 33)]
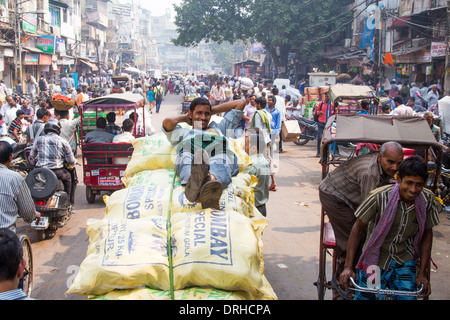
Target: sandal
[(273, 188)]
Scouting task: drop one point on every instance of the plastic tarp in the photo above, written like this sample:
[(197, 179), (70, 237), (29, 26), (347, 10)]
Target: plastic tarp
[(349, 91), (411, 132)]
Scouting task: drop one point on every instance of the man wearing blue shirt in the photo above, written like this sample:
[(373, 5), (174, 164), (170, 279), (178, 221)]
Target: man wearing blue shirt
[(275, 127)]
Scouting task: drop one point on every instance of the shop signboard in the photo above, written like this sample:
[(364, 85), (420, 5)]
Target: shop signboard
[(31, 60), (29, 22), (438, 49), (45, 60), (46, 44)]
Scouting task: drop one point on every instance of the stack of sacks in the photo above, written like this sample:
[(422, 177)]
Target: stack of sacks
[(215, 254)]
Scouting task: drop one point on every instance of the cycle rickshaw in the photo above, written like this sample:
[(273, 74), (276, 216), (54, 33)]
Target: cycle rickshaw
[(104, 164), (413, 133)]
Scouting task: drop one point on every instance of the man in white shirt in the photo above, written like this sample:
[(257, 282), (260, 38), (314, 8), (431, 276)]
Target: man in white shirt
[(11, 114), (68, 126), (218, 94), (125, 137), (249, 111), (6, 106), (281, 106), (401, 109)]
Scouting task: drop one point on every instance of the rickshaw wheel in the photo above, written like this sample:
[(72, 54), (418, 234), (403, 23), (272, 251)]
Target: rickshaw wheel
[(90, 196), (28, 273)]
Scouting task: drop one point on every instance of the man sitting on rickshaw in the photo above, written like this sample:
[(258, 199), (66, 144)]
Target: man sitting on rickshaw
[(395, 224), (345, 188), (204, 163)]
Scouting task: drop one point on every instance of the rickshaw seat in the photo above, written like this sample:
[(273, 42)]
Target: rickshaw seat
[(107, 150), (329, 240)]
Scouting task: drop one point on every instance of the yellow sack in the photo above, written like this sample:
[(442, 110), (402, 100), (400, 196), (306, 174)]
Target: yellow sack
[(148, 199), (124, 254), (237, 146), (160, 177), (151, 153), (195, 293), (220, 249)]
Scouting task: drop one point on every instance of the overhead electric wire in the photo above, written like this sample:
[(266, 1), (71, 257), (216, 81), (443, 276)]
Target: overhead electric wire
[(338, 29)]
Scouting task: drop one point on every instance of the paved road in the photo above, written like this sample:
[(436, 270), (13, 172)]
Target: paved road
[(291, 243)]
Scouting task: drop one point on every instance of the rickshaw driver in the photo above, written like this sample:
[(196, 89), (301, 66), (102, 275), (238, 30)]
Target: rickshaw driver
[(204, 162), (345, 188), (396, 224)]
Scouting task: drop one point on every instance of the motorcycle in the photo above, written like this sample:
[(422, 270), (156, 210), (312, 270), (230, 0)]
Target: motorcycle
[(309, 131), (177, 90), (50, 199), (22, 162)]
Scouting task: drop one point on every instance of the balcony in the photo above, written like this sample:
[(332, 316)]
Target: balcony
[(97, 20)]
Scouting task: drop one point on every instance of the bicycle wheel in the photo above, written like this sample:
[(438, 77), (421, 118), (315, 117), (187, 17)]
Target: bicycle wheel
[(28, 272)]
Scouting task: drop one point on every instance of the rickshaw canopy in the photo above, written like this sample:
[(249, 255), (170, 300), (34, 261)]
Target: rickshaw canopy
[(116, 100), (350, 91), (410, 132)]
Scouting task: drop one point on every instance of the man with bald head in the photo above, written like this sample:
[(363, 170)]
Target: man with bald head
[(346, 187)]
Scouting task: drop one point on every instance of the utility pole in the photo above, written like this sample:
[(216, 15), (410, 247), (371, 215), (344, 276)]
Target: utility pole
[(447, 56)]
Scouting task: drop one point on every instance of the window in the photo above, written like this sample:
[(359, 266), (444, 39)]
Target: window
[(55, 14)]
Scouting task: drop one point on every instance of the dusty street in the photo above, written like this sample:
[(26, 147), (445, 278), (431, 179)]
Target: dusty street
[(291, 242)]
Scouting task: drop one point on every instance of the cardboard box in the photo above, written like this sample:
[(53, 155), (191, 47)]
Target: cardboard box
[(290, 131)]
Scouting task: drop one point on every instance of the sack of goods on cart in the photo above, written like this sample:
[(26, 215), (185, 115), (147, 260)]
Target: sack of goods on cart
[(153, 244)]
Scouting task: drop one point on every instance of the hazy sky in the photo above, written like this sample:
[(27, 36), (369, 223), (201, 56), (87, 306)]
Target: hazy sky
[(158, 7)]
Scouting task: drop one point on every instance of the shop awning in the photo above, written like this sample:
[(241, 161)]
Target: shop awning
[(90, 65)]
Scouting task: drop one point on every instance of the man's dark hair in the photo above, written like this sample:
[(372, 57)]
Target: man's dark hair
[(19, 113), (413, 166), (261, 101), (101, 123), (365, 105), (399, 100), (11, 254), (111, 117), (199, 102), (5, 152), (41, 113), (275, 91), (132, 115), (127, 125), (62, 113)]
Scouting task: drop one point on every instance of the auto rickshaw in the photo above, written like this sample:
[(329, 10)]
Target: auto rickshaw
[(104, 164), (413, 133)]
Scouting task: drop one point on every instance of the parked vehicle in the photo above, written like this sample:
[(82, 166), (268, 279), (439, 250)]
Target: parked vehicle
[(309, 129), (50, 199)]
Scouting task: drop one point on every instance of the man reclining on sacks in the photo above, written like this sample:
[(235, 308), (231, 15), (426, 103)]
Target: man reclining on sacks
[(204, 162)]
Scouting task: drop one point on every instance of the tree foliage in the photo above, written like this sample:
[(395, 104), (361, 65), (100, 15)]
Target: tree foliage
[(282, 26)]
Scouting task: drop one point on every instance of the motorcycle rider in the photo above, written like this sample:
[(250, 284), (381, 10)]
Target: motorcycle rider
[(52, 152)]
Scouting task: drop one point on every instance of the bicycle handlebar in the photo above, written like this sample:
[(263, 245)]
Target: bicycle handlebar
[(386, 291)]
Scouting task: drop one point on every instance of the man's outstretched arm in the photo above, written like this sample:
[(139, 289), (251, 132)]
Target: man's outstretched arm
[(228, 106)]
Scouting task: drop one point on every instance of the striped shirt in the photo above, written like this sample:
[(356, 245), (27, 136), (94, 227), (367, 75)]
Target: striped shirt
[(399, 242), (52, 151), (353, 180), (15, 199), (14, 295)]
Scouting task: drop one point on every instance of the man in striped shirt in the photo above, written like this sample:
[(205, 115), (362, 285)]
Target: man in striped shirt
[(345, 188), (15, 197), (395, 224)]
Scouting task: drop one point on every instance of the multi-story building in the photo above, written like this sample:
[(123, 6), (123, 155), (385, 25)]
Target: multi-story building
[(412, 32)]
